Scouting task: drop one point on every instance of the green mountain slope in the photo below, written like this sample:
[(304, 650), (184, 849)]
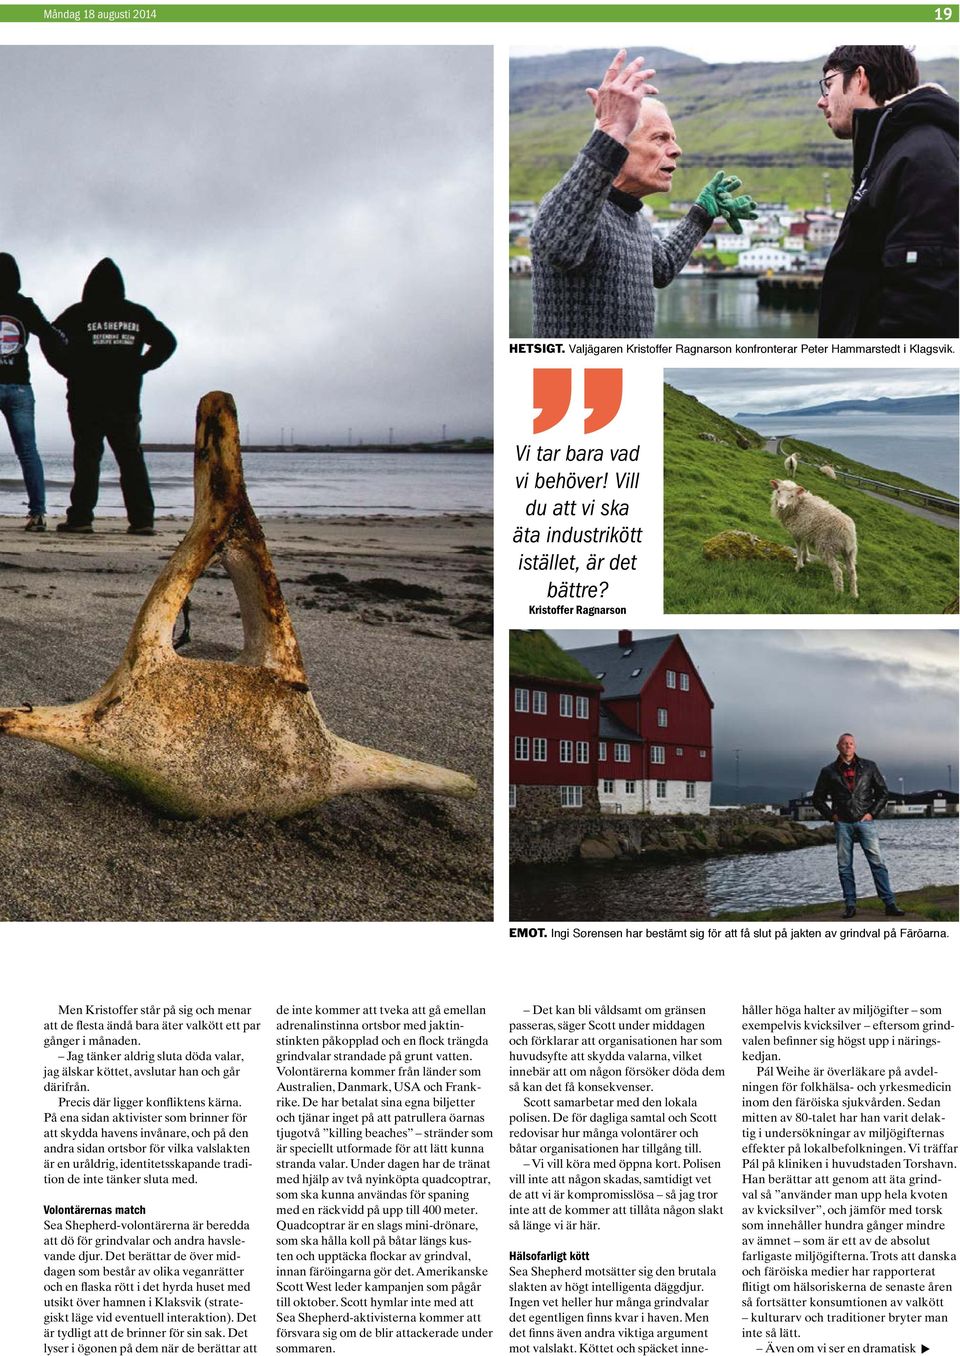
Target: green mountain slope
[(906, 564), (757, 120)]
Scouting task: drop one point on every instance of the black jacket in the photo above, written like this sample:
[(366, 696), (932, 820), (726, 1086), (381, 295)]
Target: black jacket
[(19, 318), (111, 342), (869, 795), (893, 269)]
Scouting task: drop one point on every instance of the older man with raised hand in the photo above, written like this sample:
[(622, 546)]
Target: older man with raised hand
[(596, 260)]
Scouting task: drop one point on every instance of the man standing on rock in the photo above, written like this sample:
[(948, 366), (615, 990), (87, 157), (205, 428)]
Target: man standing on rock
[(893, 270), (851, 792), (111, 343), (596, 260)]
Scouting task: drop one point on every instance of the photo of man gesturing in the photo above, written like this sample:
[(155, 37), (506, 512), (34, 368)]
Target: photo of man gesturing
[(596, 260)]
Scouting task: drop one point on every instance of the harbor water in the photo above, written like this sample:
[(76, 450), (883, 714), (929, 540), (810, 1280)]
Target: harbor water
[(697, 307), (918, 852)]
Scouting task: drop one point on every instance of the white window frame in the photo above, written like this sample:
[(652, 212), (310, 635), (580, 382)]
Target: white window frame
[(629, 788), (609, 786), (678, 751), (703, 753), (583, 708), (661, 793), (566, 750), (583, 751), (566, 704), (539, 749), (691, 790), (671, 678), (539, 702), (521, 699), (662, 717), (658, 753), (684, 682), (602, 751), (571, 797), (513, 797), (521, 749), (621, 753)]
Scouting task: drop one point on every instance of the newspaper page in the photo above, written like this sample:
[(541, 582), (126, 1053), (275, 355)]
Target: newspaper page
[(478, 679)]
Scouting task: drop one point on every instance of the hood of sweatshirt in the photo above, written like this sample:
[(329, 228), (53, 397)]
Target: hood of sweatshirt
[(104, 287), (9, 275), (877, 128)]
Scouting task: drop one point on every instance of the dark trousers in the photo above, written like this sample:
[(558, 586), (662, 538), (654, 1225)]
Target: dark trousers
[(122, 431)]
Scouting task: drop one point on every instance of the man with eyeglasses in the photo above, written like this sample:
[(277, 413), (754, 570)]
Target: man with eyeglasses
[(893, 270)]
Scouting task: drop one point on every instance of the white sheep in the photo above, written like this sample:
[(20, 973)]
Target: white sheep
[(828, 470), (817, 527), (790, 464)]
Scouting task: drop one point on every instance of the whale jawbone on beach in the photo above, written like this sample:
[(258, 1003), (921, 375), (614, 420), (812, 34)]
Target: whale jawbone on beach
[(199, 737)]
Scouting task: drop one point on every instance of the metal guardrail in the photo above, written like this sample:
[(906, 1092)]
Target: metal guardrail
[(931, 500)]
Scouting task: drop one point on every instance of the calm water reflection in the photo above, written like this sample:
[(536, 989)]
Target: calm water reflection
[(695, 308), (918, 852)]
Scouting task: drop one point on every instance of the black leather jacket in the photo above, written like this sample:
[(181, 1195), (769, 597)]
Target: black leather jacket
[(893, 269), (869, 795)]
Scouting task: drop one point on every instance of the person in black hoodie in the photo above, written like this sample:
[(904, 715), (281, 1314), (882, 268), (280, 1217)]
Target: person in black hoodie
[(893, 270), (20, 317), (111, 342)]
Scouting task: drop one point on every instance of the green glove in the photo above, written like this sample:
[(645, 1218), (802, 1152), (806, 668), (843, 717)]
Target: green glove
[(734, 210), (718, 199), (709, 197)]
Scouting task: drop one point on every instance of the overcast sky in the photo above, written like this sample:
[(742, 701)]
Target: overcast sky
[(722, 44), (784, 697), (310, 222), (730, 390)]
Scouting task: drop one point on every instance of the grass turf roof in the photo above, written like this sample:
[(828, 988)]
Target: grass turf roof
[(534, 655)]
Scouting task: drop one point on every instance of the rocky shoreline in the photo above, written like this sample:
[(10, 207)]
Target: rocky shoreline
[(668, 838)]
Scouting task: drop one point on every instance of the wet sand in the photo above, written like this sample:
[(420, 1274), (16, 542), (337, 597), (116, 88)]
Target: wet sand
[(394, 619)]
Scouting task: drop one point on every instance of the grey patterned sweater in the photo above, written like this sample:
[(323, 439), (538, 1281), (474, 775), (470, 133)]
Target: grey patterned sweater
[(596, 260)]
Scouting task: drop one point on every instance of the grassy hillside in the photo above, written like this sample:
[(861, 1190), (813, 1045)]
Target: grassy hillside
[(906, 564), (757, 120)]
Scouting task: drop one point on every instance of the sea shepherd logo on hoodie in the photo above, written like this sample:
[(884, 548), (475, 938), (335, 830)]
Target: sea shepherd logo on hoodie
[(12, 336)]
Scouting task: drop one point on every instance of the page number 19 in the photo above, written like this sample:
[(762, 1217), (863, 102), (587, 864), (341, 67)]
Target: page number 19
[(943, 15)]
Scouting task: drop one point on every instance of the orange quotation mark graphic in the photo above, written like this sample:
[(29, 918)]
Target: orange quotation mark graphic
[(553, 391)]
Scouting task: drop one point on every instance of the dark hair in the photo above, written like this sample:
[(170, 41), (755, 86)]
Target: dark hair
[(890, 70)]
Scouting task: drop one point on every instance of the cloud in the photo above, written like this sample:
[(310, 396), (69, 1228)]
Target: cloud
[(311, 222), (783, 697), (731, 390)]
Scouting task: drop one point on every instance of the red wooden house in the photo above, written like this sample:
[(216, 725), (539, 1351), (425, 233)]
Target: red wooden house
[(655, 733), (554, 722)]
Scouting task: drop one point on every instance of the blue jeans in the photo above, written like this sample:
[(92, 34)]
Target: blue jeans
[(869, 839), (16, 405)]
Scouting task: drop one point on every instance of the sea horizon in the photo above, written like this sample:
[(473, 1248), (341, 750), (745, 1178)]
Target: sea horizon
[(351, 483)]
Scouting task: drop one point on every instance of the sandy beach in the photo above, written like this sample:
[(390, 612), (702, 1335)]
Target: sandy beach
[(394, 619)]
